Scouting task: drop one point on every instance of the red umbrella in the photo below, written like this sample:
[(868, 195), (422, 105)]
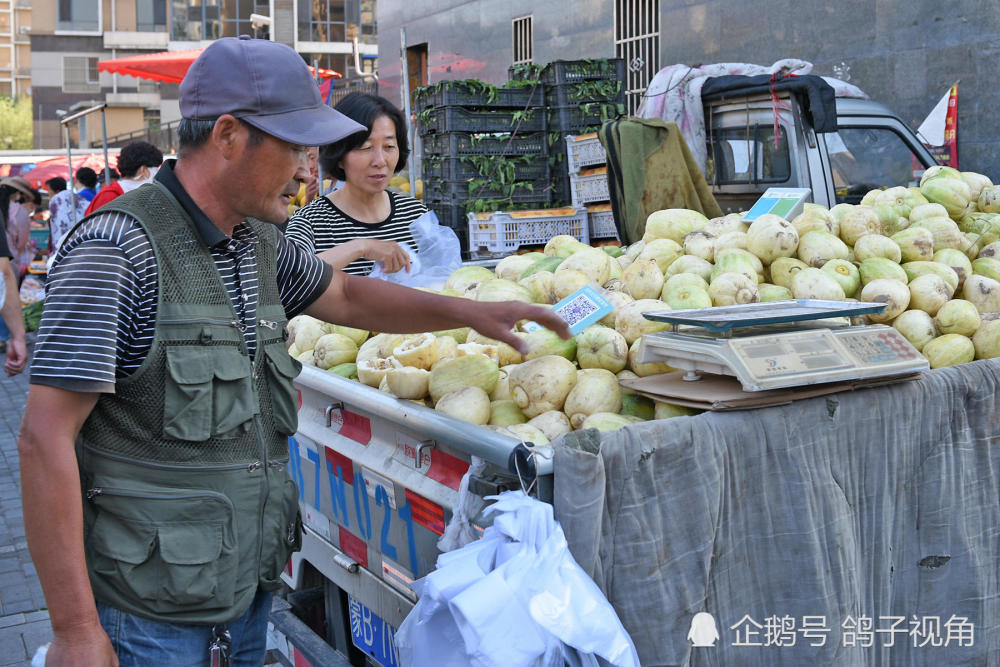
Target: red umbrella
[(58, 166), (167, 66)]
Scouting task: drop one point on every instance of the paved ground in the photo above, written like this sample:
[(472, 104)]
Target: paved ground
[(24, 620)]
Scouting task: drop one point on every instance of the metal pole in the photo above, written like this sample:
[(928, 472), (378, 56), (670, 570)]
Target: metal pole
[(104, 137), (72, 183), (319, 167), (406, 104)]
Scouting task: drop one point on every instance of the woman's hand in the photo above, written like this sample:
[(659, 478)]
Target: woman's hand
[(390, 253)]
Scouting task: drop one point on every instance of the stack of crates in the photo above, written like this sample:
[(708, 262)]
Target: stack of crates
[(579, 96), (588, 183), (482, 146)]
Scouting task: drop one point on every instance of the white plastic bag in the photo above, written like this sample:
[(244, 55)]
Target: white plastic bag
[(438, 255), (514, 598)]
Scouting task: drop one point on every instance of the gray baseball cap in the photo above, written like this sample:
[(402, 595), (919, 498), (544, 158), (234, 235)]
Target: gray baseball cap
[(265, 84)]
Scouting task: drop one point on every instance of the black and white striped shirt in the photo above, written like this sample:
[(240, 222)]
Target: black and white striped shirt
[(101, 294), (320, 225)]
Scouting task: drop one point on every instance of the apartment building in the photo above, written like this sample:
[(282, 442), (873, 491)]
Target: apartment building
[(69, 37), (15, 48)]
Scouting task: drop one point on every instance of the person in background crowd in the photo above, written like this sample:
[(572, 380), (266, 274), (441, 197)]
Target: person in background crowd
[(169, 532), (16, 200), (10, 316), (34, 207), (86, 180), (138, 163), (14, 190), (362, 222), (309, 190), (61, 206)]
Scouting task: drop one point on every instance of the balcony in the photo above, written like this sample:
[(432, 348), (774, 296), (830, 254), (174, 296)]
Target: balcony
[(133, 99), (24, 72), (22, 4), (122, 39)]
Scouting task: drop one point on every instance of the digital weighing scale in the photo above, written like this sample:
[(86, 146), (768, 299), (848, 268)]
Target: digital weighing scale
[(780, 344)]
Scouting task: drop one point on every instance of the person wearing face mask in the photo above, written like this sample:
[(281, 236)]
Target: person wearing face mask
[(362, 223), (138, 163)]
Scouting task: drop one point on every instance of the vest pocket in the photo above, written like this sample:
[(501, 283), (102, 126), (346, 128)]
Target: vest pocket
[(282, 370), (208, 394), (282, 532), (167, 550)]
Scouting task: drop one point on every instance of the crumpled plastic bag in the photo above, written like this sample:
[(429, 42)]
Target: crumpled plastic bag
[(514, 598), (460, 530), (437, 256)]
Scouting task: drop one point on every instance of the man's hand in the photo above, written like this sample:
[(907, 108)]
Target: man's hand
[(495, 320), (87, 646), (390, 253), (312, 189), (17, 356)]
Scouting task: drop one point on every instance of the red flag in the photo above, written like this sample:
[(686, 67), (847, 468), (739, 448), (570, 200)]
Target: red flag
[(951, 127)]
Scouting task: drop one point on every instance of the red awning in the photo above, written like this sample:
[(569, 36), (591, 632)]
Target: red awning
[(167, 66), (59, 166)]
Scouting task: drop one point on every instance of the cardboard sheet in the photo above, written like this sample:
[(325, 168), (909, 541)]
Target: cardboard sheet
[(724, 392)]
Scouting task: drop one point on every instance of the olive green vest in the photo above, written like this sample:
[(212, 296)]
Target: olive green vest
[(188, 506)]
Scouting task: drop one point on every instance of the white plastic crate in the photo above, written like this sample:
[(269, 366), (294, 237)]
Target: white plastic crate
[(584, 150), (589, 186), (601, 221), (506, 231)]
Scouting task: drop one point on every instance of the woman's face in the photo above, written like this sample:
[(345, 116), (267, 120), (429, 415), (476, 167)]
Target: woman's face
[(370, 166)]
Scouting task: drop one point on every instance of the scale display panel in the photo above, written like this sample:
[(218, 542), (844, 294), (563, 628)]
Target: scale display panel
[(790, 358), (789, 355)]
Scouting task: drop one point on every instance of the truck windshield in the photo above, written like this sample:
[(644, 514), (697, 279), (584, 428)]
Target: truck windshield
[(749, 155), (869, 158)]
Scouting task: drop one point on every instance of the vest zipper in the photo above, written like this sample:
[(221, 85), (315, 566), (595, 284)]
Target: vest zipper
[(208, 320), (266, 492), (101, 491), (254, 465)]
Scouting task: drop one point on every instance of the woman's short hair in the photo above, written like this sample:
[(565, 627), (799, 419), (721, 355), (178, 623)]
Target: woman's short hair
[(364, 109), (136, 155)]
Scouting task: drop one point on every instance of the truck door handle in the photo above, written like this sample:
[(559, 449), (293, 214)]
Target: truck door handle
[(329, 412), (346, 562), (425, 444)]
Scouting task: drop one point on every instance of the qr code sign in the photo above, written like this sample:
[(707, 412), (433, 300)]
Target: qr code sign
[(578, 309)]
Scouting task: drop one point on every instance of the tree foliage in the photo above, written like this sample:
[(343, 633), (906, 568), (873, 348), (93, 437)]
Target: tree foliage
[(15, 123)]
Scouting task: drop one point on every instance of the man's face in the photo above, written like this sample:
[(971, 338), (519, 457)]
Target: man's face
[(272, 170)]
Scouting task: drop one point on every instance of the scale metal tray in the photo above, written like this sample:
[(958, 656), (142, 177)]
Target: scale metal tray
[(725, 318)]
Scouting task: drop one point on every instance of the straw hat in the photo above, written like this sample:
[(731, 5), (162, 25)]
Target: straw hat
[(20, 184)]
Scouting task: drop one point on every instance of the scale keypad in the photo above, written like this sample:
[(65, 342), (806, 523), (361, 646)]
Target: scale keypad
[(885, 347)]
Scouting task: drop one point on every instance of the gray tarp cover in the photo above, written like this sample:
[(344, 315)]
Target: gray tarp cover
[(877, 503)]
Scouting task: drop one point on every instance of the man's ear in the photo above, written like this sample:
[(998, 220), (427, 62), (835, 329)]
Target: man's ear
[(228, 135)]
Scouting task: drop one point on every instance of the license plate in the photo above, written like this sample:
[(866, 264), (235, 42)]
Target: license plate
[(372, 635)]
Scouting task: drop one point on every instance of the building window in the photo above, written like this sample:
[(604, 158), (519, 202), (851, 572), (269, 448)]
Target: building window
[(151, 119), (78, 15), (336, 21), (151, 15), (197, 20), (524, 41), (80, 75), (637, 41)]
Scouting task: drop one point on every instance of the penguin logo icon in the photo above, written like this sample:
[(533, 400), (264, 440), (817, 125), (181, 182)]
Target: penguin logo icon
[(703, 631)]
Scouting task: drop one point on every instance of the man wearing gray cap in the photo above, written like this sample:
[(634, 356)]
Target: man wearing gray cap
[(161, 387)]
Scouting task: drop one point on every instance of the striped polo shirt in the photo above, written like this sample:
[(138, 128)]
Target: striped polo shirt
[(101, 294), (321, 225)]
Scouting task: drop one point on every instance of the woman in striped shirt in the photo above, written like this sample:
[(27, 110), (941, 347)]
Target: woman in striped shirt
[(362, 223)]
